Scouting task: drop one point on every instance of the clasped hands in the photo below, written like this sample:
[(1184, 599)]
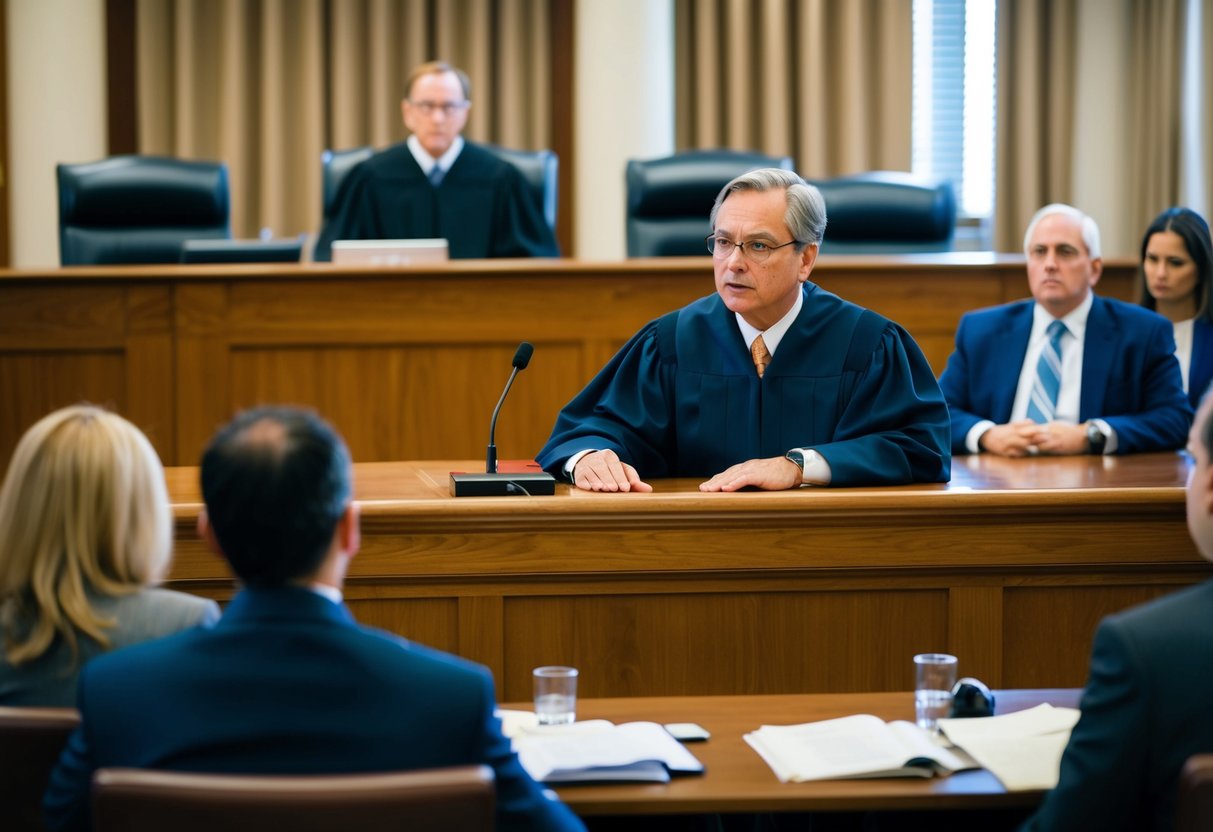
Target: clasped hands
[(605, 471), (1028, 438)]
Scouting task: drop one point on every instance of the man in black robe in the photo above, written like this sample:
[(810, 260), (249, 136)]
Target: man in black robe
[(771, 383), (436, 184)]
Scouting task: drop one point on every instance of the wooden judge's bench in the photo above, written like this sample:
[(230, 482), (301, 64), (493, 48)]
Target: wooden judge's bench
[(1010, 566)]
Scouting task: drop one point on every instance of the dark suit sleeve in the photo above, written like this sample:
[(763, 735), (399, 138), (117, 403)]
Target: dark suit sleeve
[(519, 229), (354, 216), (1102, 770), (957, 385), (66, 804), (894, 426), (627, 408), (1161, 419), (522, 804)]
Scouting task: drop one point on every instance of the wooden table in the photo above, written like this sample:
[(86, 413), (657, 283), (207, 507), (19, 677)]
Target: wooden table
[(738, 780), (1010, 567), (407, 363)]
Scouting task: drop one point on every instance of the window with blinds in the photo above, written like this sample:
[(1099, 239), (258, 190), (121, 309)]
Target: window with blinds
[(954, 95)]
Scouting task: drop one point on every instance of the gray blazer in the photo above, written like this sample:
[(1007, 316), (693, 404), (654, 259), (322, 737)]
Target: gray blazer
[(50, 680)]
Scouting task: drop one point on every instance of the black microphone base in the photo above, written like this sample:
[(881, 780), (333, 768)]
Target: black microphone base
[(502, 485)]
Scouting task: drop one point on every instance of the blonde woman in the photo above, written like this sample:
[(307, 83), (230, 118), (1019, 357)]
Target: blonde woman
[(85, 533)]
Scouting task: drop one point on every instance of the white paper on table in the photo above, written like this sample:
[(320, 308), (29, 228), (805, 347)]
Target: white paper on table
[(1023, 750)]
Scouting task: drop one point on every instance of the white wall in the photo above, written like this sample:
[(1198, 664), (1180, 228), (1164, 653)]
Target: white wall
[(624, 109), (56, 112)]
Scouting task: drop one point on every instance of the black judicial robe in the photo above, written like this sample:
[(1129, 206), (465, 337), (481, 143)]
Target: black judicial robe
[(682, 399), (482, 207)]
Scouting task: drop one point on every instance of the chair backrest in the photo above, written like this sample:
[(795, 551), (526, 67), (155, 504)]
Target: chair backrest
[(1194, 804), (428, 800), (31, 740), (669, 199), (887, 212), (540, 169), (139, 209), (335, 165)]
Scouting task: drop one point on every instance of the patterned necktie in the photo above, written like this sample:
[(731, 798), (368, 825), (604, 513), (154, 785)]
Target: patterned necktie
[(760, 354), (1042, 405), (436, 174)]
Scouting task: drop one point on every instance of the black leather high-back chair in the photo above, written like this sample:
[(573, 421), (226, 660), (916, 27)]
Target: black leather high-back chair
[(540, 169), (426, 800), (669, 199), (335, 165), (887, 212), (31, 740), (139, 209)]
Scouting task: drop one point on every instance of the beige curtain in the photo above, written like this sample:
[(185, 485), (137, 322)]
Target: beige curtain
[(1039, 69), (825, 81), (1036, 80), (267, 85), (1155, 108)]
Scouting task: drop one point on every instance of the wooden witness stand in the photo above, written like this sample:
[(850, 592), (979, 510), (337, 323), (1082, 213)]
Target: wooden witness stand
[(678, 593)]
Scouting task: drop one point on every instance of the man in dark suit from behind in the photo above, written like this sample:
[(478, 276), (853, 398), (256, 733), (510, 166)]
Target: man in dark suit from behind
[(287, 682), (1145, 709)]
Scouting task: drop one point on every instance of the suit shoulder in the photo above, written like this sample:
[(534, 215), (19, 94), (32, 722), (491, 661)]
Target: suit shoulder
[(1134, 314), (1172, 613), (390, 647), (994, 314)]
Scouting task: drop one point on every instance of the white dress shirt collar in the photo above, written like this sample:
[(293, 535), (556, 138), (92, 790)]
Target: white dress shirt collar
[(774, 333), (426, 162)]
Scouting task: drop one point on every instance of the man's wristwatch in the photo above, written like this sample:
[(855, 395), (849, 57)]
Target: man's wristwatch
[(797, 456), (1095, 438)]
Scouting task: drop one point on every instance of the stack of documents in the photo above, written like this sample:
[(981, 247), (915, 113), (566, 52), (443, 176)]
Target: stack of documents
[(1023, 750), (597, 750), (851, 747)]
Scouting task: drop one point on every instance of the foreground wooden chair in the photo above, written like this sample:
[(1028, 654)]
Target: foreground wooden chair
[(31, 740), (429, 800)]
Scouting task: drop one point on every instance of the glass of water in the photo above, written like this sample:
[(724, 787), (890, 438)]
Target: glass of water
[(555, 695), (934, 676)]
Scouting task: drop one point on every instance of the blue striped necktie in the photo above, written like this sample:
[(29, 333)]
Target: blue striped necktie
[(436, 174), (1042, 405)]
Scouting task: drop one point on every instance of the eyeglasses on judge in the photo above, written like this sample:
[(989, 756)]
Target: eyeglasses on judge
[(754, 250), (448, 108)]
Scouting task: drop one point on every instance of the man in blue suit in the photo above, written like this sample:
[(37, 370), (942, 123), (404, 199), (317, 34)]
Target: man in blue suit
[(1145, 709), (287, 682), (1068, 372)]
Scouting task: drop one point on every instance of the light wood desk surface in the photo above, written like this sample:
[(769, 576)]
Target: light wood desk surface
[(1010, 566), (738, 780)]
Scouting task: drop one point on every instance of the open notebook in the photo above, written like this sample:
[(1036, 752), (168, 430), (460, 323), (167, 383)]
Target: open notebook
[(597, 750)]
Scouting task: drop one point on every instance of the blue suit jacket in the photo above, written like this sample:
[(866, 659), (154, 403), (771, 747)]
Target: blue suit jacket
[(1200, 368), (288, 683), (1145, 710), (1130, 377)]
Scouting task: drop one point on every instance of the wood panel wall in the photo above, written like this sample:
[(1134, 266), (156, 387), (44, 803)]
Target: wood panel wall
[(407, 364)]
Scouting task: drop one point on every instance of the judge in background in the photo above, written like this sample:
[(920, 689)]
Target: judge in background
[(1067, 372), (1176, 268), (1145, 708), (436, 184), (87, 531), (770, 383)]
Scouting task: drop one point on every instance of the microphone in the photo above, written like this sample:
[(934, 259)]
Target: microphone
[(522, 357), (494, 484)]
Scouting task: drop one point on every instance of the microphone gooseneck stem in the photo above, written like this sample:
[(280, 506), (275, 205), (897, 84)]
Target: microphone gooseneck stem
[(491, 458)]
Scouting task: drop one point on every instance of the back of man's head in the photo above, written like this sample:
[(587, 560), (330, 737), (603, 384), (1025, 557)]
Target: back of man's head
[(276, 482)]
